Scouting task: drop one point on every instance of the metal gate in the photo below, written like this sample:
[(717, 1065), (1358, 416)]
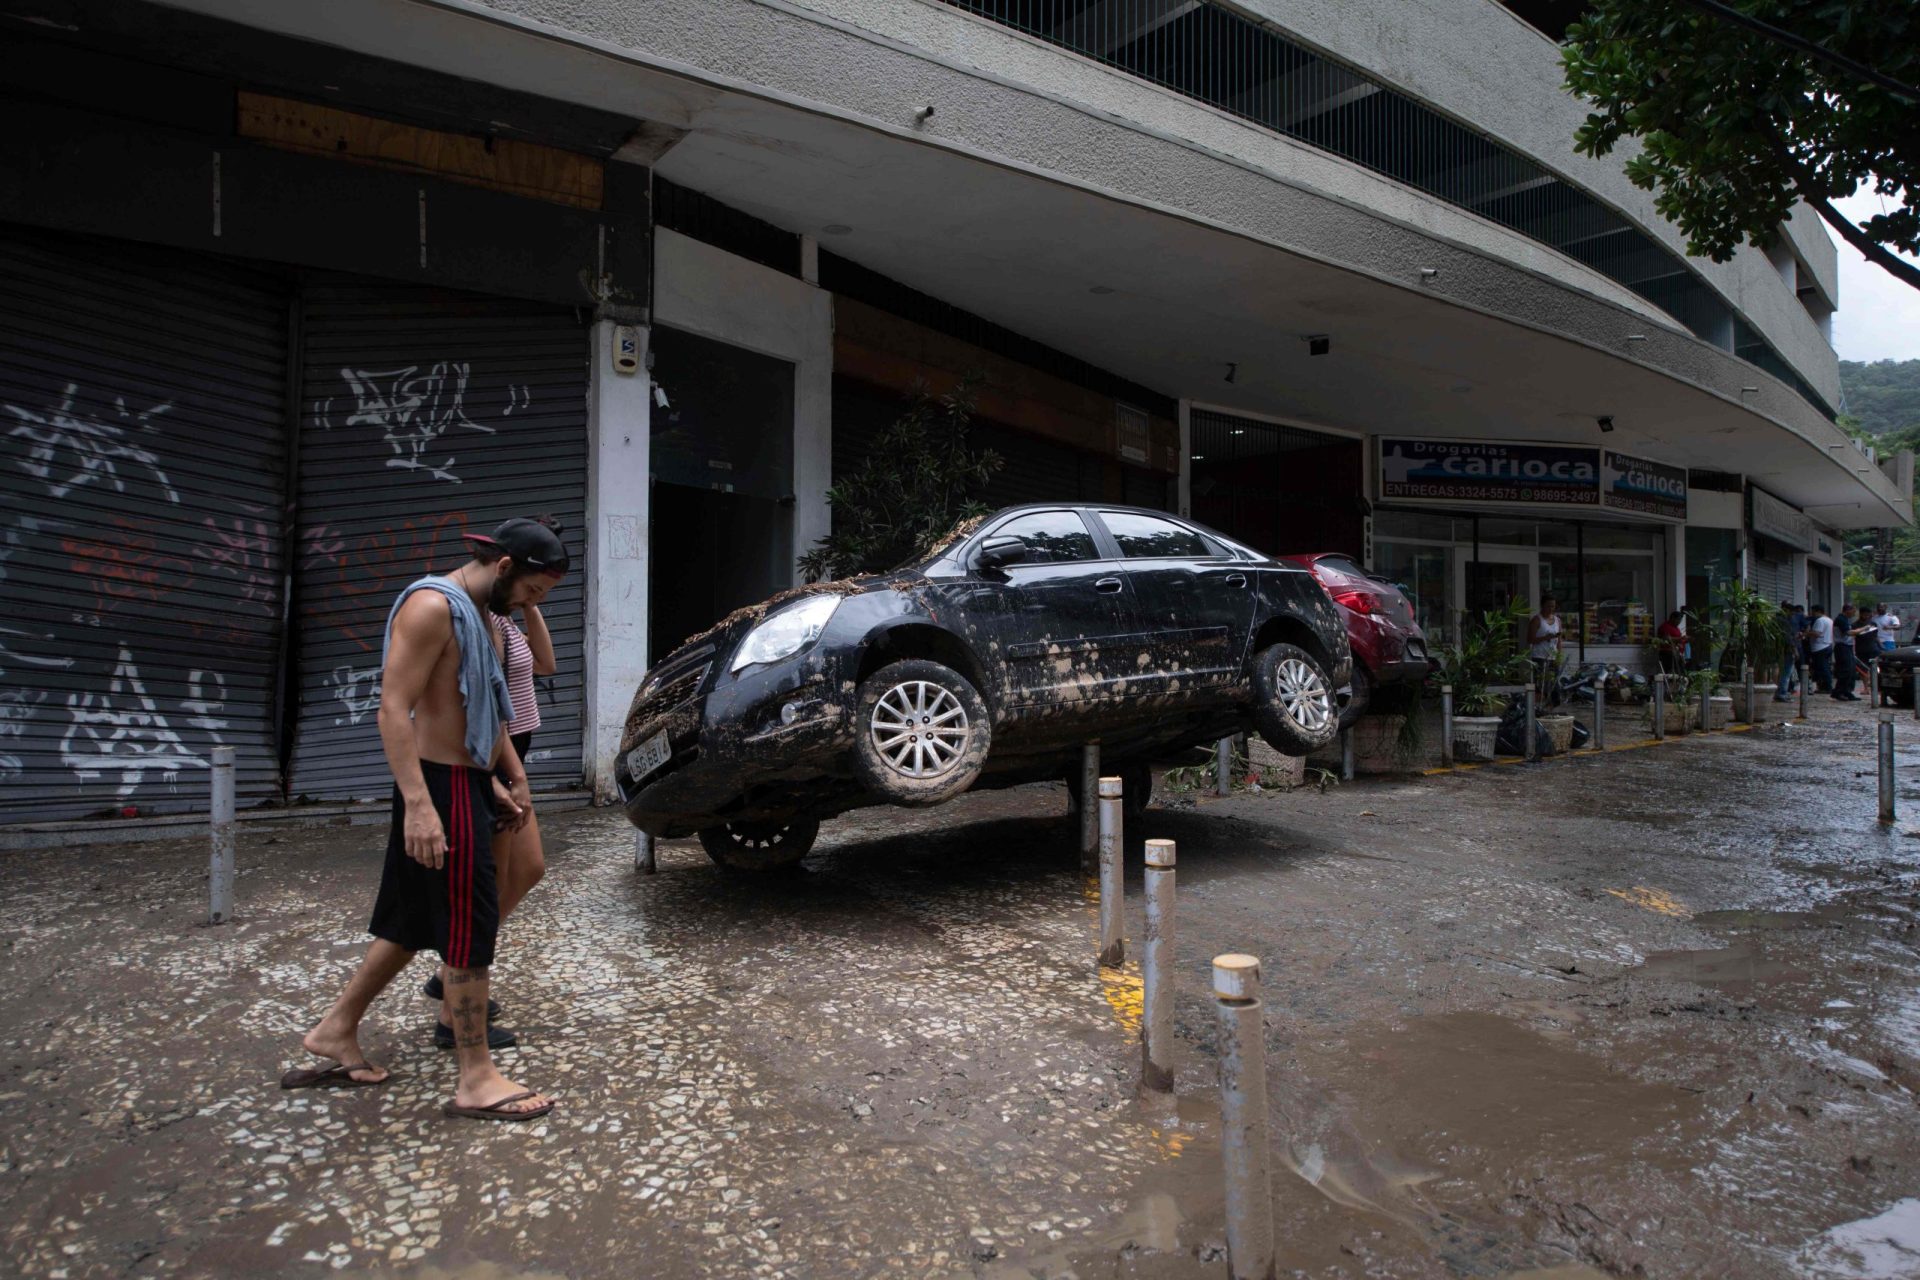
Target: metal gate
[(142, 397), (425, 414), (1772, 578)]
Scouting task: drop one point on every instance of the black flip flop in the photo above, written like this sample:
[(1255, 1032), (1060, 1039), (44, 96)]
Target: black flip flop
[(337, 1076), (454, 1111), (434, 989)]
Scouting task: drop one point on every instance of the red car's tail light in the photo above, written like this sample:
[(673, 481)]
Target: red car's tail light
[(1358, 601)]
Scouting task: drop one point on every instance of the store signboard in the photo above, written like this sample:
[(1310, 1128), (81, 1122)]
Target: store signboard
[(1511, 472), (1643, 487), (1769, 516)]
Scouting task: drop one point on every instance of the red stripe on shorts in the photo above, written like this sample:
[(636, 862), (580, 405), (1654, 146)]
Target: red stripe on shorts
[(458, 868)]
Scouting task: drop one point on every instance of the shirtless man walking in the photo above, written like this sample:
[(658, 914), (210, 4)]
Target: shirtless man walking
[(443, 713)]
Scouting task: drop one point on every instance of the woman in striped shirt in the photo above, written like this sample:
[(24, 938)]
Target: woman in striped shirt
[(519, 859)]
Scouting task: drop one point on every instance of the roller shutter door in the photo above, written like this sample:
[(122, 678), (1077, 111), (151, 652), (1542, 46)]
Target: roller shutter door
[(1772, 578), (1035, 470), (142, 397), (424, 415)]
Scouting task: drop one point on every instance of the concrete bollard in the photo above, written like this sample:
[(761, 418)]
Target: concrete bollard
[(1243, 1117), (1156, 965), (1886, 765), (1089, 807), (1599, 739), (1113, 946), (1531, 748), (1800, 670), (643, 855), (1223, 767), (1660, 706), (1346, 755), (220, 868), (1446, 726)]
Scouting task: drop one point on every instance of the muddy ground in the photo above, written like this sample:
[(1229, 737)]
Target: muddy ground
[(1650, 1013)]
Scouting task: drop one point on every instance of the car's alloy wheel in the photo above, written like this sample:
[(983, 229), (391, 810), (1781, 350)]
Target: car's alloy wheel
[(766, 845), (1304, 695), (1293, 700), (923, 733), (919, 729)]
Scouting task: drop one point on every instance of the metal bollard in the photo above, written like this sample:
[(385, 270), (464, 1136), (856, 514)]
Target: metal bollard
[(643, 857), (1801, 671), (1873, 682), (1747, 677), (1089, 807), (1660, 707), (1346, 754), (1599, 741), (1243, 1117), (1886, 765), (1156, 965), (220, 869), (1446, 726), (1532, 748), (1705, 720), (1223, 767), (1113, 947)]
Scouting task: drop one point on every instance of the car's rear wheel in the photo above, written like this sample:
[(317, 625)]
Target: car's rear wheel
[(767, 845), (1293, 704), (1359, 697), (922, 733)]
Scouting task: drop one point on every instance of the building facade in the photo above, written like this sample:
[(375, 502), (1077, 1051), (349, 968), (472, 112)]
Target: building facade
[(294, 295)]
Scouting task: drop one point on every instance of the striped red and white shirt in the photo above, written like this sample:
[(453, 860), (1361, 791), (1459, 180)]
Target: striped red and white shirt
[(519, 668)]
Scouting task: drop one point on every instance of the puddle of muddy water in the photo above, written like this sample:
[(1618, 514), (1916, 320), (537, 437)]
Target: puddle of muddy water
[(1742, 965)]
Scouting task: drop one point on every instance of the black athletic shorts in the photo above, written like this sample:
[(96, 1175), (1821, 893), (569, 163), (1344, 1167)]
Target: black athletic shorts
[(454, 910), (522, 743)]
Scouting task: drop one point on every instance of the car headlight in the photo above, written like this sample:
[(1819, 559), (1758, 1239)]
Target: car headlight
[(785, 633)]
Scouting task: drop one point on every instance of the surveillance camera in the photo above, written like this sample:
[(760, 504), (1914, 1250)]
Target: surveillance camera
[(660, 395), (1606, 423)]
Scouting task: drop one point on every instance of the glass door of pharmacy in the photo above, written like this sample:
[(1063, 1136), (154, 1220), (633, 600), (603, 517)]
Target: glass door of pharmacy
[(1501, 576)]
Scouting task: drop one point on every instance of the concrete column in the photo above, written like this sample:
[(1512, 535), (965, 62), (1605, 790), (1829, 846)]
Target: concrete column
[(1184, 490), (618, 496)]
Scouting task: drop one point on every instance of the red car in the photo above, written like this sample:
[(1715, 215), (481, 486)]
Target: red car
[(1389, 649)]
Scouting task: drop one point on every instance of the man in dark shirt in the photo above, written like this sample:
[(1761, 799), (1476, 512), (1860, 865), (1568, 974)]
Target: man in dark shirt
[(1795, 619), (1845, 628)]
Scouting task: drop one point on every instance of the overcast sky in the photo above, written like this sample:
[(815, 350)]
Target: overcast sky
[(1879, 317)]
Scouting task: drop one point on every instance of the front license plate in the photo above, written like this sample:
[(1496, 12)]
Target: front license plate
[(648, 756)]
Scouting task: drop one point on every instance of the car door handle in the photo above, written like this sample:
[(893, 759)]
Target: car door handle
[(1108, 585), (1236, 579)]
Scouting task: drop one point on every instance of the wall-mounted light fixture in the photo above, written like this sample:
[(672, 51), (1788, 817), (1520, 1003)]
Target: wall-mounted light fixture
[(1318, 344), (1604, 422)]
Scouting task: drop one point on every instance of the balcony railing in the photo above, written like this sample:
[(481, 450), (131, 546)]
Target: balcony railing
[(1224, 59)]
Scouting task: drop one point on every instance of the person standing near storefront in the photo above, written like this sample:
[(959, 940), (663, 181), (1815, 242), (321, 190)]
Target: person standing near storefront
[(1845, 628), (1544, 640), (1887, 622), (1820, 649), (1674, 647), (1795, 626)]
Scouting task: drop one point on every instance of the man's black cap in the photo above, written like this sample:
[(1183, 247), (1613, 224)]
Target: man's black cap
[(528, 542)]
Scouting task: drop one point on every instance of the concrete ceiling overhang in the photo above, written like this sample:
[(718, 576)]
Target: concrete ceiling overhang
[(1180, 299)]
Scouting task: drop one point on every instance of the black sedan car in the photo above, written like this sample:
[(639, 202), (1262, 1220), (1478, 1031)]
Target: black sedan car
[(987, 663)]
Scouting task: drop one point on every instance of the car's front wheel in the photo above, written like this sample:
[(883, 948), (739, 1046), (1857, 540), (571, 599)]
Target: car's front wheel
[(768, 845), (922, 733), (1293, 701)]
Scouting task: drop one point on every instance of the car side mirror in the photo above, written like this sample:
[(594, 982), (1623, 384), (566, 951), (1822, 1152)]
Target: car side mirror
[(998, 553)]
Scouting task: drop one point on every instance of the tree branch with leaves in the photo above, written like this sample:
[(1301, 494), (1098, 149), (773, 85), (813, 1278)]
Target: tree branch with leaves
[(1736, 126)]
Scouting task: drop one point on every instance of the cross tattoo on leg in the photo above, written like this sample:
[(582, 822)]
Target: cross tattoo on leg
[(470, 1022)]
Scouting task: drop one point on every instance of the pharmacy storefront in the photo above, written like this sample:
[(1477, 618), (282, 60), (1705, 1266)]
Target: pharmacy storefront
[(1464, 526)]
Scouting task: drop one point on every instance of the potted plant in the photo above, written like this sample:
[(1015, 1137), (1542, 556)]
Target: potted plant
[(1751, 626), (1488, 654)]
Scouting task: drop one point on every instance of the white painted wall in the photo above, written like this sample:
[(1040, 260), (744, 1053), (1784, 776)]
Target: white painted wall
[(619, 430), (717, 295), (1710, 510)]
